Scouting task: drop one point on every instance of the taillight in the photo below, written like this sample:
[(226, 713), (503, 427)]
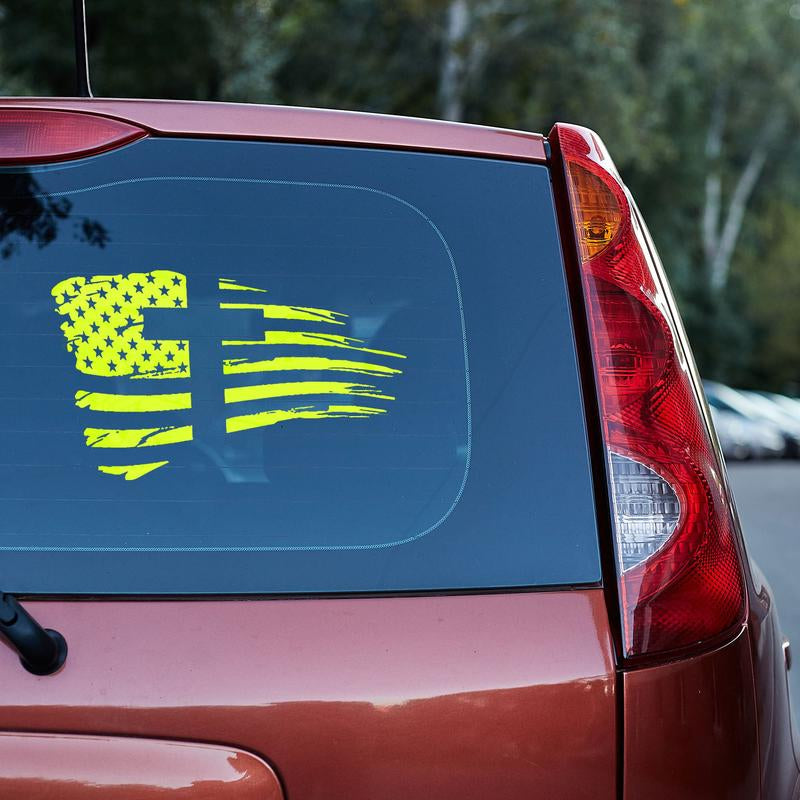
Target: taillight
[(29, 135), (678, 562)]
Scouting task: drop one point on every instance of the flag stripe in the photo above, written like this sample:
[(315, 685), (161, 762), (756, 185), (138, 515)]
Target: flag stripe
[(101, 401), (238, 366), (310, 339), (264, 391), (271, 311), (229, 283), (137, 437), (264, 418), (131, 472)]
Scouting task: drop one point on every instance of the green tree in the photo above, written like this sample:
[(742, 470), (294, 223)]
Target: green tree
[(698, 102)]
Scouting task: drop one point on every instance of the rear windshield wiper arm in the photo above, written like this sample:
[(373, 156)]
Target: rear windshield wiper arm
[(42, 651)]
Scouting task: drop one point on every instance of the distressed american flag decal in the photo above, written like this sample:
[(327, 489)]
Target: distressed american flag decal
[(104, 329)]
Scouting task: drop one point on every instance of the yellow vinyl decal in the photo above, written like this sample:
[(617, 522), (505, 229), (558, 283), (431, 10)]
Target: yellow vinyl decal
[(104, 323), (310, 338), (262, 419), (104, 326), (239, 366), (137, 437), (232, 285), (240, 394), (101, 401), (288, 312), (131, 472)]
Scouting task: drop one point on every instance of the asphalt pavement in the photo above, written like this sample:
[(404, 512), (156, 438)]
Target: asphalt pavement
[(768, 498)]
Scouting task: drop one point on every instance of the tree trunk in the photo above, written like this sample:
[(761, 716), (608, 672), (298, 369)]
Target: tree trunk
[(720, 264), (453, 69), (721, 226), (713, 199)]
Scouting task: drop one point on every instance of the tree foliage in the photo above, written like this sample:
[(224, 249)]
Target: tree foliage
[(699, 103)]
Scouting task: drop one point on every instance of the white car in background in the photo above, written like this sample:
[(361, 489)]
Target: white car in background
[(734, 437), (788, 423), (791, 405), (760, 437)]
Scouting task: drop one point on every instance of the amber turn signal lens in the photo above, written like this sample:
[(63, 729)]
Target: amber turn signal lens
[(599, 216)]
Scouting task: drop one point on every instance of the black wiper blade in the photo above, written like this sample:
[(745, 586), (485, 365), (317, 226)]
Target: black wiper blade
[(42, 651)]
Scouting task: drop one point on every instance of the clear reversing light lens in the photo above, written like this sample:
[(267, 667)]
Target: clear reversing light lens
[(646, 510)]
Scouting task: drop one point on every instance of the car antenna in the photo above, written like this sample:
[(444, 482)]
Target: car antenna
[(82, 86), (42, 651)]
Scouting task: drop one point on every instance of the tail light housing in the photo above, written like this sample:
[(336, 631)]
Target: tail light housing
[(678, 559), (31, 135)]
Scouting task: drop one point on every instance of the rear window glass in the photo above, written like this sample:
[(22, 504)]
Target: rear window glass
[(256, 367)]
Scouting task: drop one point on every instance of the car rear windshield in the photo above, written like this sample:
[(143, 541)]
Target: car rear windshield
[(248, 367)]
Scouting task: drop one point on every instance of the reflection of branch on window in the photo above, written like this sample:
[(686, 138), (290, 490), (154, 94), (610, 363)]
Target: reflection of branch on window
[(92, 232), (27, 212)]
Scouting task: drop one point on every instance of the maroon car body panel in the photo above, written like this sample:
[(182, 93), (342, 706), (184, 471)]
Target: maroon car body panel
[(690, 727), (48, 766), (716, 725), (502, 696), (780, 772), (286, 124)]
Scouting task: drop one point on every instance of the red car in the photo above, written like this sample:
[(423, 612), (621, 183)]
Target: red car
[(358, 457)]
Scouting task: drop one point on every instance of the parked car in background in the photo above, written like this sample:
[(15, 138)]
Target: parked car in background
[(791, 405), (466, 533), (763, 437), (736, 435), (788, 424)]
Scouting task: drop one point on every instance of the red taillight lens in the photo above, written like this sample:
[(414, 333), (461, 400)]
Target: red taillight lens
[(678, 561), (41, 136)]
